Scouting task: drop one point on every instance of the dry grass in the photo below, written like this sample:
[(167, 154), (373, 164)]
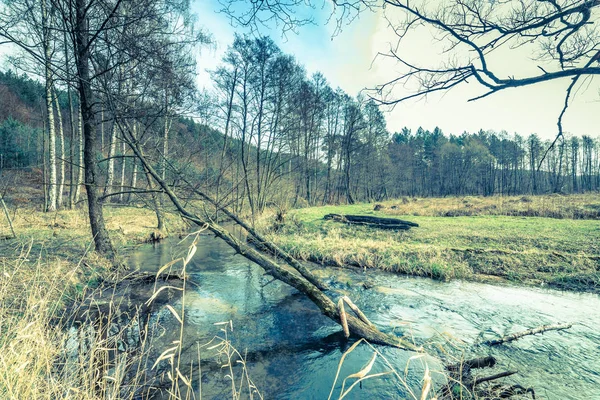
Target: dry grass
[(44, 357), (48, 267), (66, 233), (579, 206), (32, 294), (41, 357)]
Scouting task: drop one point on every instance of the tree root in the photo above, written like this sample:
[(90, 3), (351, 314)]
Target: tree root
[(463, 384)]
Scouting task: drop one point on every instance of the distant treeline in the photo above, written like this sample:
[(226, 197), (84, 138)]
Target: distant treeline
[(270, 134), (319, 145), (486, 163)]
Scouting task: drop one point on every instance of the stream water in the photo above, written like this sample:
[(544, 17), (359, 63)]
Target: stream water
[(294, 351)]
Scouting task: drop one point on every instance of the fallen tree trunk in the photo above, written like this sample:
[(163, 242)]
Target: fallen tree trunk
[(504, 374), (381, 223), (324, 303), (380, 226), (296, 280), (518, 335)]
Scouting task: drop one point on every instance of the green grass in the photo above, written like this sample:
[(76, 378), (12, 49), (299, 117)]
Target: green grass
[(558, 252)]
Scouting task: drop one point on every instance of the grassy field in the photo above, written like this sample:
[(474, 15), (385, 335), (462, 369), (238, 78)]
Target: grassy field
[(561, 252), (577, 206)]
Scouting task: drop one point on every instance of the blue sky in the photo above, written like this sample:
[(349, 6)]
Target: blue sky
[(346, 60)]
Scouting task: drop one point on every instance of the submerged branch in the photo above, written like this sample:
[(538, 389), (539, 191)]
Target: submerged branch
[(504, 374), (533, 331)]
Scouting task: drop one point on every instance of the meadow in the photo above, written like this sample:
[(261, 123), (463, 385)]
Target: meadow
[(540, 240)]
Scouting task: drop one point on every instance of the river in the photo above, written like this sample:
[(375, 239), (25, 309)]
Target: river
[(294, 351)]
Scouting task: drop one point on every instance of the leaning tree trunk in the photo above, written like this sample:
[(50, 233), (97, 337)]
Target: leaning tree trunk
[(291, 277), (99, 232)]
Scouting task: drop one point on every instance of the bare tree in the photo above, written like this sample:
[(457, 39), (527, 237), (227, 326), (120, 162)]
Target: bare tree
[(563, 33)]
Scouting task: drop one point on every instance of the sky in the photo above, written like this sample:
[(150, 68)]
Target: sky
[(348, 60)]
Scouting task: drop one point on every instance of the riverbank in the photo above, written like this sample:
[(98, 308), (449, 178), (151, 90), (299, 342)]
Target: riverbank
[(51, 266), (61, 242), (489, 246)]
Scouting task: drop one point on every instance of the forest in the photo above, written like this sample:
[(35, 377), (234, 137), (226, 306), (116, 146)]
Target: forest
[(255, 135)]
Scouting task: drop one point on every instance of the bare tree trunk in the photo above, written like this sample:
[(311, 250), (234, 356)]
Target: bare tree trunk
[(72, 132), (134, 168), (102, 130), (61, 138), (99, 232), (160, 222), (51, 206), (123, 164), (44, 167), (165, 145), (133, 178), (80, 170), (10, 224), (347, 183), (110, 174)]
